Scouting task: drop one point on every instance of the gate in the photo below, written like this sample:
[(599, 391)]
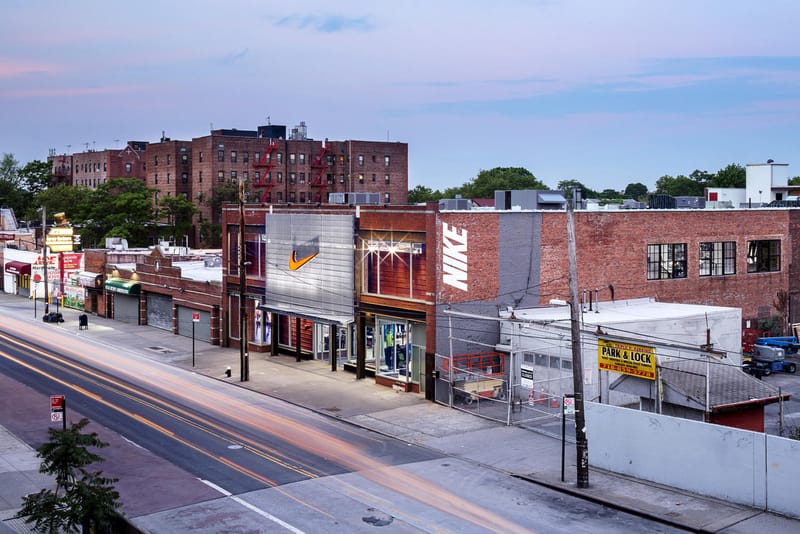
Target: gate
[(485, 384)]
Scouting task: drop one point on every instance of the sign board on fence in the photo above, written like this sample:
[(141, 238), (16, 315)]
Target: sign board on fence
[(526, 377)]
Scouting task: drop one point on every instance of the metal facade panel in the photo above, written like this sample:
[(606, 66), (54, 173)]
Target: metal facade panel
[(202, 328), (159, 311), (310, 265), (126, 308)]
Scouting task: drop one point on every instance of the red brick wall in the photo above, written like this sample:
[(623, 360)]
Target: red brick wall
[(482, 256), (612, 249)]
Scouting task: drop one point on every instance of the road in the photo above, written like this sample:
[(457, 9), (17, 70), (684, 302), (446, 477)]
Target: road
[(276, 464)]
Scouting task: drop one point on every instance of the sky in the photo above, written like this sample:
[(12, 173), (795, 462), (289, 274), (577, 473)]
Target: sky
[(607, 93)]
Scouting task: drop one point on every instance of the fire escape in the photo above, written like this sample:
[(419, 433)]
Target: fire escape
[(318, 168), (264, 165)]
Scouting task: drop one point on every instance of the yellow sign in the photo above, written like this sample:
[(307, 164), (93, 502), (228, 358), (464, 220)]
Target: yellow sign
[(59, 239), (625, 358)]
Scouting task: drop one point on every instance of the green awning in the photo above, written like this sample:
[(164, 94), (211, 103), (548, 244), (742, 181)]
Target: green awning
[(119, 285)]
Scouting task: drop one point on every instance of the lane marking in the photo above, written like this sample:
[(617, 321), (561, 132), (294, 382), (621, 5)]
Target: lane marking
[(253, 508)]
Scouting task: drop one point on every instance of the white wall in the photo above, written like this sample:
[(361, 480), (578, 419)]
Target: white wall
[(761, 178), (741, 466)]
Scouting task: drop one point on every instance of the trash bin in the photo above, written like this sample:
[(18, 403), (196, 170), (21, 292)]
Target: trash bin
[(83, 322)]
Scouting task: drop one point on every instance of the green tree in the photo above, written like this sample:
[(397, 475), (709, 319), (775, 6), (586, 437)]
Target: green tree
[(568, 185), (636, 191), (71, 199), (36, 176), (121, 207), (178, 211), (82, 500), (422, 193), (500, 178), (731, 176), (679, 186), (12, 194), (794, 181), (220, 194)]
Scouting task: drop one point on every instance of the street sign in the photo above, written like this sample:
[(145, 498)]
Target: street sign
[(195, 317), (569, 405), (56, 403), (57, 409)]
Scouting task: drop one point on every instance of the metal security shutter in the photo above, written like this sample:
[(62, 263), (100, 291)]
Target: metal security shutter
[(202, 329), (159, 311), (126, 308)]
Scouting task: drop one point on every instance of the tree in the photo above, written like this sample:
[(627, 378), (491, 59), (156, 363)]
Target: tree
[(568, 185), (679, 186), (178, 211), (636, 191), (121, 207), (36, 176), (12, 194), (422, 193), (794, 181), (71, 199), (731, 176), (500, 178), (82, 498)]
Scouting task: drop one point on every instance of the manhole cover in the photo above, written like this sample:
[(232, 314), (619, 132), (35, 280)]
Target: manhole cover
[(377, 519)]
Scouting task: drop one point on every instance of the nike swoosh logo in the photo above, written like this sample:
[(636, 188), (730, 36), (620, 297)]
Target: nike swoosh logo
[(295, 264)]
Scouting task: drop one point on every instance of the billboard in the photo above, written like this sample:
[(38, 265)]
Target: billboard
[(310, 265), (626, 358)]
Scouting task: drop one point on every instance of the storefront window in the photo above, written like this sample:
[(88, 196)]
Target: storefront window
[(399, 349)]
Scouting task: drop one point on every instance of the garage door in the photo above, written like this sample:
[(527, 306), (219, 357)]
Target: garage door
[(202, 329), (126, 308), (159, 311)]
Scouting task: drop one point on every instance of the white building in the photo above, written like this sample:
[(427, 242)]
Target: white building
[(613, 334)]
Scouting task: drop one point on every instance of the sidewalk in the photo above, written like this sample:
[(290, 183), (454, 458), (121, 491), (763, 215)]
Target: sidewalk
[(519, 452)]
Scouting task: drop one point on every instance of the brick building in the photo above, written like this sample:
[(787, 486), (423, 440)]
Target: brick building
[(94, 167), (413, 266), (275, 169)]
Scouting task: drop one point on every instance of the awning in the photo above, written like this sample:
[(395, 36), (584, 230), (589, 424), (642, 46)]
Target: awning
[(89, 280), (18, 267), (315, 317), (126, 287)]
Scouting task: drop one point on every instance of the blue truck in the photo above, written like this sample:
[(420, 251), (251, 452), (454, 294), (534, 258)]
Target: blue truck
[(767, 359)]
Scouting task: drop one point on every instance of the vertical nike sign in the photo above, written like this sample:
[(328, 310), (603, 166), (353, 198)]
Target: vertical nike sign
[(454, 257)]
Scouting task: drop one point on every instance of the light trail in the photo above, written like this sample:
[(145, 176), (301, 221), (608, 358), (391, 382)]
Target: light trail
[(306, 438)]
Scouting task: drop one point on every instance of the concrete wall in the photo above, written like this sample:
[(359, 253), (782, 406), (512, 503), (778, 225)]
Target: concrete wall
[(741, 466)]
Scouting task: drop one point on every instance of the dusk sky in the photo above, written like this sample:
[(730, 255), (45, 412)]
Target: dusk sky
[(605, 92)]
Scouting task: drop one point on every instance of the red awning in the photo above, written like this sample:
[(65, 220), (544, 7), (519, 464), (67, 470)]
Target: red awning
[(18, 267)]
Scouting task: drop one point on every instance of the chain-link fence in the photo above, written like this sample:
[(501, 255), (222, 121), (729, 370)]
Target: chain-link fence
[(479, 383)]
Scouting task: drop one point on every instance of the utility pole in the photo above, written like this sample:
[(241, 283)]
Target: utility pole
[(244, 362), (44, 261), (581, 443)]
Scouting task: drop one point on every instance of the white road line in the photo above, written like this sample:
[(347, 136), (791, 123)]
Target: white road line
[(249, 506)]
